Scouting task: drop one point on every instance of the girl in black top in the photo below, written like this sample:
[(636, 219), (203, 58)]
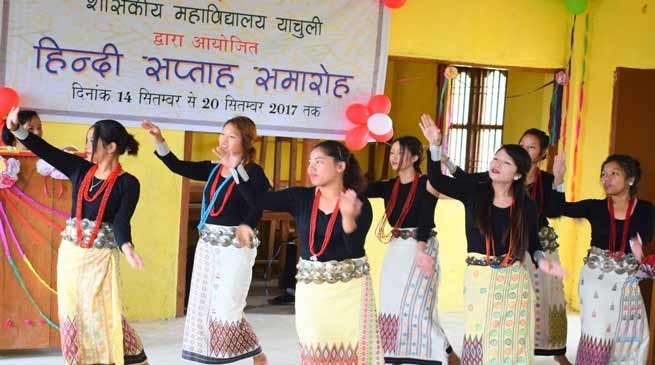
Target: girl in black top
[(501, 226), (408, 270), (104, 200), (30, 121), (335, 311), (222, 268), (614, 322), (550, 308)]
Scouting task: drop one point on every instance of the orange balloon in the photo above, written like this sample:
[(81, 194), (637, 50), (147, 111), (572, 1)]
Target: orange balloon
[(357, 138)]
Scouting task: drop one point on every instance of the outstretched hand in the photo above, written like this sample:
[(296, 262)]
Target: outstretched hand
[(559, 167), (430, 130), (153, 130), (12, 119), (552, 267)]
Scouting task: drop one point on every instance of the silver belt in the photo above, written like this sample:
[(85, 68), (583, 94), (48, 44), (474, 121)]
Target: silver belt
[(407, 233), (223, 236), (494, 261), (603, 260), (331, 271), (548, 239), (104, 239)]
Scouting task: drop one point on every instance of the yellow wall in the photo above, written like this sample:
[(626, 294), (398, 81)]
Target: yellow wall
[(150, 294), (500, 32)]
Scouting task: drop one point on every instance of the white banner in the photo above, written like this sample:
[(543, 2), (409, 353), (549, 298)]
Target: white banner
[(291, 66)]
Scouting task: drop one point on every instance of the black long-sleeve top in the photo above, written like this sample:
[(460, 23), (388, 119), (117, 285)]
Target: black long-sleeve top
[(469, 192), (596, 211), (550, 207), (421, 213), (236, 211), (122, 199), (298, 202)]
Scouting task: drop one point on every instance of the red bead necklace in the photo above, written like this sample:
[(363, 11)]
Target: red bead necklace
[(83, 196)]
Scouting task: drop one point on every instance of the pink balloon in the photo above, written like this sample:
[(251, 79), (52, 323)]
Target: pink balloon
[(380, 104), (357, 138), (8, 99), (394, 4), (357, 113)]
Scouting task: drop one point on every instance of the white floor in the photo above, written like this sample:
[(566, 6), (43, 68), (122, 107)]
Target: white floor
[(163, 341)]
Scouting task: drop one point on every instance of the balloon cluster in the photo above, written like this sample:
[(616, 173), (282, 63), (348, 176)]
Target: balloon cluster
[(372, 121)]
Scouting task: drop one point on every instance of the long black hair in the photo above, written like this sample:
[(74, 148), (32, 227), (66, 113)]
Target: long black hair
[(544, 140), (630, 166), (24, 116), (519, 229), (110, 131), (352, 175), (411, 145)]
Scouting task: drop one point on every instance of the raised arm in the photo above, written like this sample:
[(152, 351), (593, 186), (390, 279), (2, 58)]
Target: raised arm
[(457, 189), (63, 161), (199, 171)]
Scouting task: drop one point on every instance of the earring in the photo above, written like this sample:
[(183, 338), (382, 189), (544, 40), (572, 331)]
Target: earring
[(517, 177), (630, 183)]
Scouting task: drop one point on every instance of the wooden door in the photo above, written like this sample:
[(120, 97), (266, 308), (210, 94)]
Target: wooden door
[(633, 132)]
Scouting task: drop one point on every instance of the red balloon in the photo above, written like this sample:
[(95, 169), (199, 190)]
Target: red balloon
[(8, 99), (383, 138), (379, 104), (357, 113), (357, 138), (394, 4)]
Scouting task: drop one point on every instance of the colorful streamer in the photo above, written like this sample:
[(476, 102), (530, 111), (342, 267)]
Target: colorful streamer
[(21, 252), (22, 194), (555, 118), (578, 124), (36, 212), (19, 278), (567, 89)]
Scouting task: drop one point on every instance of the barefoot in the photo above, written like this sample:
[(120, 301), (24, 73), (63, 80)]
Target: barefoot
[(453, 359), (260, 359), (562, 360)]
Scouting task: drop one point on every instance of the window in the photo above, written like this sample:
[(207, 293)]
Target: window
[(478, 110)]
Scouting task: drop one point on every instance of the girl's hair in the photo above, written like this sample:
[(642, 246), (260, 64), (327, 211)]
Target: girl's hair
[(24, 116), (630, 167), (109, 131), (544, 140), (248, 132), (352, 175), (519, 230), (411, 145)]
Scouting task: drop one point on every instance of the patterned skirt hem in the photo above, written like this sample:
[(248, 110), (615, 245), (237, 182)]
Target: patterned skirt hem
[(550, 352), (203, 359), (139, 358), (408, 360)]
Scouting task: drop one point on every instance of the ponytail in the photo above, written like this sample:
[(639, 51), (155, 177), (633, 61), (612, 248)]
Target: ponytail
[(352, 175)]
